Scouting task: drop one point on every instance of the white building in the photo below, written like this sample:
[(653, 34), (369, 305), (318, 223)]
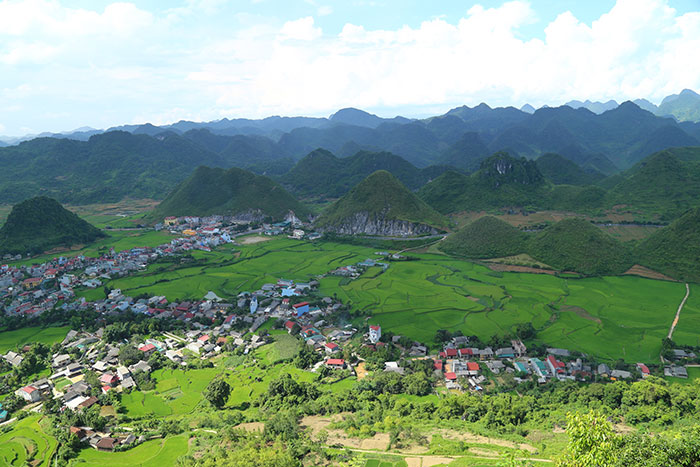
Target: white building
[(375, 332)]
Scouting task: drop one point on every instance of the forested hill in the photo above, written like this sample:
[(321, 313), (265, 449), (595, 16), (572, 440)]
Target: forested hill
[(380, 205), (228, 192), (39, 224)]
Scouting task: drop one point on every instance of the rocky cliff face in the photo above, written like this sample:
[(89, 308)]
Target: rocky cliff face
[(363, 224)]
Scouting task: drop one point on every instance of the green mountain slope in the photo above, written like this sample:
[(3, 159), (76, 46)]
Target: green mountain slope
[(39, 224), (380, 205), (663, 183), (320, 173), (561, 171), (502, 181), (486, 237), (675, 250), (228, 192), (106, 168), (578, 245)]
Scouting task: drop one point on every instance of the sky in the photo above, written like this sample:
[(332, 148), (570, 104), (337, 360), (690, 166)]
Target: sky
[(70, 64)]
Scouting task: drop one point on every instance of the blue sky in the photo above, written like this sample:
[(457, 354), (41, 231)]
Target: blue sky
[(68, 64)]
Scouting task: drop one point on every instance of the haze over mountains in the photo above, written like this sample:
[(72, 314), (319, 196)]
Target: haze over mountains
[(147, 161), (683, 107)]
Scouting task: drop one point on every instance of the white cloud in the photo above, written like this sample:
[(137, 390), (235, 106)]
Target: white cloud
[(325, 10), (123, 62), (301, 29)]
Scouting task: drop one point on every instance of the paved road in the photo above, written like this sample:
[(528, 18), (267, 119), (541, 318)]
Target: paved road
[(678, 313)]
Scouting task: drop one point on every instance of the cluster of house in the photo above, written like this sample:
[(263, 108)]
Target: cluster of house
[(211, 231), (457, 361), (355, 270), (68, 385)]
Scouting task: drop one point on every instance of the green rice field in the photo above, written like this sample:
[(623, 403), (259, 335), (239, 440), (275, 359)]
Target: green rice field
[(9, 340), (26, 444), (606, 317), (150, 453)]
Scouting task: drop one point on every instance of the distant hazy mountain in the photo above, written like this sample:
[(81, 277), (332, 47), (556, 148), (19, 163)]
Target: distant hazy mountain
[(684, 106), (646, 105), (352, 116), (595, 107), (320, 173), (527, 108)]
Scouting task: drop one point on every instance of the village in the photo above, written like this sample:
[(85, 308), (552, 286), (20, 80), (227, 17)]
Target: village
[(87, 369)]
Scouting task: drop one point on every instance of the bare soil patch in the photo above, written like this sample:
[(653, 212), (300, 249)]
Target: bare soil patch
[(641, 271), (473, 438), (379, 441), (360, 370), (581, 312), (514, 268), (253, 239)]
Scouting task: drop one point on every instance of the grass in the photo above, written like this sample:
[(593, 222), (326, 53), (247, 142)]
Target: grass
[(177, 392), (26, 441), (9, 340), (154, 452)]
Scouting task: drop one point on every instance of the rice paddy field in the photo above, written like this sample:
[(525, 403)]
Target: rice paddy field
[(26, 444), (9, 340), (606, 317), (155, 452)]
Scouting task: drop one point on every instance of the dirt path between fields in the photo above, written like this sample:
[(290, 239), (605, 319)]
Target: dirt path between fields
[(678, 313)]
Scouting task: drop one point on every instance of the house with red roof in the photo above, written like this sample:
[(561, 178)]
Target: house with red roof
[(29, 393), (450, 376), (644, 370), (438, 365), (555, 366), (335, 363), (109, 379), (289, 325), (465, 353), (451, 353), (147, 349), (331, 347)]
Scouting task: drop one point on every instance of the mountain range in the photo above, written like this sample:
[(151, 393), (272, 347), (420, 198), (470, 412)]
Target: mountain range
[(148, 161)]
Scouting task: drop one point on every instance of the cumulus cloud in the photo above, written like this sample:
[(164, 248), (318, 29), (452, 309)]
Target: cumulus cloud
[(301, 29), (124, 62)]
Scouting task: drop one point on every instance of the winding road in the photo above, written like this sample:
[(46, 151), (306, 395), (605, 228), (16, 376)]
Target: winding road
[(678, 313)]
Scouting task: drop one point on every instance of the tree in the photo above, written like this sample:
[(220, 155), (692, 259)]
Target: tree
[(282, 425), (217, 392), (442, 335), (592, 441), (128, 355)]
